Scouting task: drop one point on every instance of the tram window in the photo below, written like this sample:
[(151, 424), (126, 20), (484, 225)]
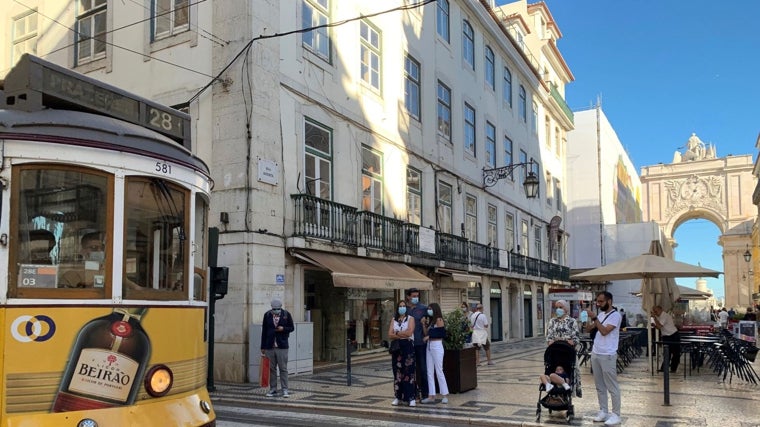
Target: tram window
[(52, 209), (155, 240)]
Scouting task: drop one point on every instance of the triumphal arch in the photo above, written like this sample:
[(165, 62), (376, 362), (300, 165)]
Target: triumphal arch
[(699, 184)]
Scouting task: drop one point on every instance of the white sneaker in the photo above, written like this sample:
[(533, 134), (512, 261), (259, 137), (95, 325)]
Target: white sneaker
[(428, 400), (601, 417), (395, 402), (566, 386), (285, 393), (272, 393), (412, 402), (612, 420), (548, 387), (445, 399)]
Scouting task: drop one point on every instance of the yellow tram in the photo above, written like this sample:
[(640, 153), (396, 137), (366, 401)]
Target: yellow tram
[(103, 242)]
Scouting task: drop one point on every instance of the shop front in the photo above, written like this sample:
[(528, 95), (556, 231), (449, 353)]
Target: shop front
[(351, 301)]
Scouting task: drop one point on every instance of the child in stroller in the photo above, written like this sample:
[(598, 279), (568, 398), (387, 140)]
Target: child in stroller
[(558, 380)]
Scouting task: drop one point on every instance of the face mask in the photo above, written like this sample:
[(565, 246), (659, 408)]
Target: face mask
[(415, 300), (402, 310), (430, 312), (464, 309), (560, 312), (98, 256), (276, 310)]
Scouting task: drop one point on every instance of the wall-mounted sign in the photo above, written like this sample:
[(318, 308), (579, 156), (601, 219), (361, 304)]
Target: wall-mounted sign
[(268, 171), (427, 240)]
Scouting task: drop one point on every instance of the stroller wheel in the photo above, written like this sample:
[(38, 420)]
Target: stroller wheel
[(538, 412), (550, 411)]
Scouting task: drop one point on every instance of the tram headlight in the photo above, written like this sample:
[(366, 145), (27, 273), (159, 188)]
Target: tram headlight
[(158, 380), (87, 422)]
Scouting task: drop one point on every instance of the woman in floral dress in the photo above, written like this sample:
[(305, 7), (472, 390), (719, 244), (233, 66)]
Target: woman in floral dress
[(402, 329)]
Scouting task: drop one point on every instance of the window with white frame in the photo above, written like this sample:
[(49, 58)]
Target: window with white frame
[(509, 232), (412, 86), (91, 30), (522, 107), (413, 196), (549, 189), (372, 181), (490, 144), (318, 160), (444, 111), (170, 17), (490, 68), (557, 142), (24, 35), (534, 118), (444, 207), (548, 132), (507, 90), (469, 129), (558, 194), (524, 238), (509, 155), (443, 24), (537, 230), (471, 217), (523, 159), (316, 13), (468, 44), (370, 54), (492, 225)]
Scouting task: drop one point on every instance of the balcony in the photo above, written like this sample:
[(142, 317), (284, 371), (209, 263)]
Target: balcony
[(336, 223), (561, 102)]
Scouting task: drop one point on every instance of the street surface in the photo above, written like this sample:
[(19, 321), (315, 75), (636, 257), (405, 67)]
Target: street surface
[(507, 394)]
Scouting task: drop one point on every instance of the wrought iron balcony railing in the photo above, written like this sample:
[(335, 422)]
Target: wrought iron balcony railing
[(327, 220)]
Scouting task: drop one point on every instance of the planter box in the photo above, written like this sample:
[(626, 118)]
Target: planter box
[(460, 369)]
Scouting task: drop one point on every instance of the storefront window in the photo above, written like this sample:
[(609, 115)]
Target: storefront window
[(370, 312)]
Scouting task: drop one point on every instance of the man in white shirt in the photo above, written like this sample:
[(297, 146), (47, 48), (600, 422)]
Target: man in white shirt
[(723, 318), (604, 357), (479, 323), (664, 322)]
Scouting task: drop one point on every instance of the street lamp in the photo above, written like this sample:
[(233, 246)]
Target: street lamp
[(530, 185), (748, 258)]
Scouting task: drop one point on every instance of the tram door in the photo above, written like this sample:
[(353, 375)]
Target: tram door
[(528, 313)]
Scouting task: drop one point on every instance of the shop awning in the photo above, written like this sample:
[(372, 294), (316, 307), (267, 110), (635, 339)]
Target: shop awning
[(459, 275), (368, 273)]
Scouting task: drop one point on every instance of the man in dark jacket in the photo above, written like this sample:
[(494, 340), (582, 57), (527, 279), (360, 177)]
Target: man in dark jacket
[(275, 329)]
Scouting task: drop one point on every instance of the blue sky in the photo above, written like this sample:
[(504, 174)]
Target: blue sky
[(665, 69)]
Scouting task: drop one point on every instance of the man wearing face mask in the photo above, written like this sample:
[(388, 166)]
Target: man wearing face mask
[(418, 310), (275, 330), (90, 272), (604, 357)]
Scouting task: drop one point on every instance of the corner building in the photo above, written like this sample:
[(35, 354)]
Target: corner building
[(349, 160)]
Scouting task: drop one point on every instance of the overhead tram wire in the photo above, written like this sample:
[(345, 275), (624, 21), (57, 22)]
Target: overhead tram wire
[(145, 55), (302, 30)]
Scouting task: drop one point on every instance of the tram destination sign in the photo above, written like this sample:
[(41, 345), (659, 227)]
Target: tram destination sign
[(35, 83)]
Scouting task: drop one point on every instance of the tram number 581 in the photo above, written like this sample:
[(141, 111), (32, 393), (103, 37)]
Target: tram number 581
[(165, 168)]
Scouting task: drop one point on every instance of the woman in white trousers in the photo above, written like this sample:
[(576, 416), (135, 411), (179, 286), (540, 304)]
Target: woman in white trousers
[(435, 331)]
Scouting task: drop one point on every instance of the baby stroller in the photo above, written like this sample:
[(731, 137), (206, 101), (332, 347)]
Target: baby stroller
[(558, 399)]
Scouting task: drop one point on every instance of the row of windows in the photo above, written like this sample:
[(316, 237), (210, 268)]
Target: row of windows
[(168, 18), (318, 162)]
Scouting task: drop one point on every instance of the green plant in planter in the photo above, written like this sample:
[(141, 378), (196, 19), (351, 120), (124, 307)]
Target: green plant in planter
[(456, 330)]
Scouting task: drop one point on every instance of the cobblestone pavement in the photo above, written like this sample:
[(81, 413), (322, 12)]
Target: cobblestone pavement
[(507, 394)]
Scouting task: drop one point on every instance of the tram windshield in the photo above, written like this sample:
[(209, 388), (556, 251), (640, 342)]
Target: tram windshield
[(64, 220)]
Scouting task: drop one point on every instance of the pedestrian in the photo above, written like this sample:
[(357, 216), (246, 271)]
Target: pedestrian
[(275, 330), (466, 327), (750, 315), (401, 330), (562, 327), (434, 335), (479, 322), (664, 322), (604, 357), (723, 318), (418, 310)]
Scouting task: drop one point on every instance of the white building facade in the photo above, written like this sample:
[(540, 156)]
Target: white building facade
[(349, 159)]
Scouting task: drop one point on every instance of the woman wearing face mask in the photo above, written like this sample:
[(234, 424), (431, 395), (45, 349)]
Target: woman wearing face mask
[(562, 327), (402, 329), (434, 335)]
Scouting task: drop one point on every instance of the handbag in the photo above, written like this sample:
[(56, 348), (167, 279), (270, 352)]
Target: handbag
[(395, 346), (264, 372)]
